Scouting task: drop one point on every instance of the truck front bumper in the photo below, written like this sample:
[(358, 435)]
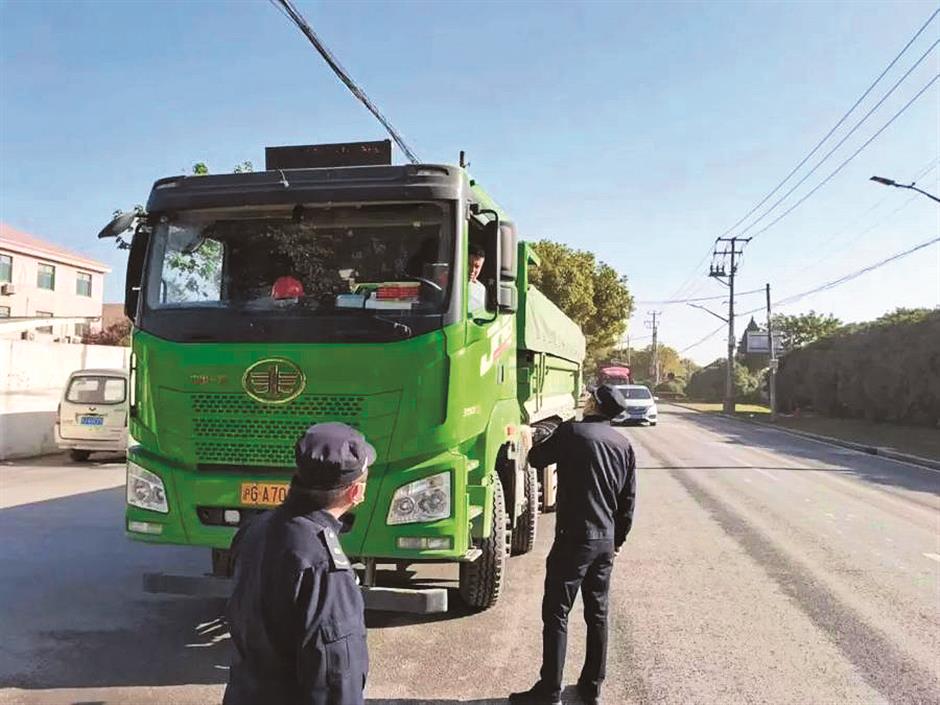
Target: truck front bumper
[(199, 501)]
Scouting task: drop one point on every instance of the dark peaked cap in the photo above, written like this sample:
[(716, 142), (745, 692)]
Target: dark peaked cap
[(610, 400), (331, 455)]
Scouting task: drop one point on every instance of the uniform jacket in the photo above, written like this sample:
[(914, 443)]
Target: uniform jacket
[(596, 479), (296, 614)]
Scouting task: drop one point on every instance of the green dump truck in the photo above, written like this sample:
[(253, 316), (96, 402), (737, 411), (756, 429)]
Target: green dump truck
[(333, 286)]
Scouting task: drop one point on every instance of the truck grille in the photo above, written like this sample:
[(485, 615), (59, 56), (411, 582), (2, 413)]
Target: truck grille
[(306, 406), (235, 429)]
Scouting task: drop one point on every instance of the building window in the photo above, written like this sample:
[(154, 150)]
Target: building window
[(4, 311), (44, 314), (82, 329), (6, 269), (83, 284), (45, 279)]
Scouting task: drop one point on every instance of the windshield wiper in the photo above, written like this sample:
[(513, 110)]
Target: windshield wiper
[(403, 328)]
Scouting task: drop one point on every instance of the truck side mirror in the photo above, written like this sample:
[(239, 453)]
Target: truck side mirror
[(135, 274), (508, 248), (507, 298), (121, 223)]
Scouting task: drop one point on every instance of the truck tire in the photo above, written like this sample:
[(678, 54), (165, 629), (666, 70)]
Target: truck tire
[(482, 580), (79, 456), (523, 535)]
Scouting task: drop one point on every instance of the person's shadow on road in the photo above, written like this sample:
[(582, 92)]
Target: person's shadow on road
[(568, 695)]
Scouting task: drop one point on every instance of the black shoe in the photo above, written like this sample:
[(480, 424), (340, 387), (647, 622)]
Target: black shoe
[(536, 695), (588, 695)]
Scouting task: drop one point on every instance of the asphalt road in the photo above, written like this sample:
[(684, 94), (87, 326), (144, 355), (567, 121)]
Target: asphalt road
[(763, 568)]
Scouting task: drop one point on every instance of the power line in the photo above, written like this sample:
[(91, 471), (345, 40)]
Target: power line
[(848, 277), (821, 256), (287, 7), (836, 126), (842, 141), (845, 163), (823, 287), (705, 339), (666, 302)]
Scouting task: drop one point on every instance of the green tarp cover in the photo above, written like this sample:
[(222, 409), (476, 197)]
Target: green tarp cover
[(546, 329)]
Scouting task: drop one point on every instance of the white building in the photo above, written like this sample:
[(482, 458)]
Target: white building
[(39, 279)]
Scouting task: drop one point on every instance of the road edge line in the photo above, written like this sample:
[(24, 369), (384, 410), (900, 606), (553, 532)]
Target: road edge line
[(886, 453)]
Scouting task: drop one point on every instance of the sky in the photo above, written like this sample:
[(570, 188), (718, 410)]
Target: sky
[(639, 131)]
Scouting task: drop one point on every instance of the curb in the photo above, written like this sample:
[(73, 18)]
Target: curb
[(929, 463)]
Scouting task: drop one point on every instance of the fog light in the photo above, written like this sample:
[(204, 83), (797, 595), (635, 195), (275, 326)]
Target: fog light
[(412, 542), (232, 516), (144, 527), (419, 542)]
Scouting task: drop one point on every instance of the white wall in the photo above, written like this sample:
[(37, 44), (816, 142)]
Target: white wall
[(32, 377), (63, 301)]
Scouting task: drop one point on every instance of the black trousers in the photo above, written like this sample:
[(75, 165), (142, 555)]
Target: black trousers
[(574, 565)]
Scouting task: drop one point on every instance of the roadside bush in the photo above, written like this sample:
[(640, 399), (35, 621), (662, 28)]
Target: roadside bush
[(708, 384), (888, 370)]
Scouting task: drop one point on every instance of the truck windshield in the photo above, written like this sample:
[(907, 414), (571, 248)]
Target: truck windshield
[(254, 274)]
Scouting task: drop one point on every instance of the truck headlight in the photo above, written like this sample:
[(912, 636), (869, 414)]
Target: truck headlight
[(145, 490), (422, 500)]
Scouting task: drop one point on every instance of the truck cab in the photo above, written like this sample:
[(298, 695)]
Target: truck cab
[(327, 289)]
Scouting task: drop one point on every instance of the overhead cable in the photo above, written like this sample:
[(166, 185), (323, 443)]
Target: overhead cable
[(836, 126), (848, 277), (298, 19), (846, 162), (842, 141)]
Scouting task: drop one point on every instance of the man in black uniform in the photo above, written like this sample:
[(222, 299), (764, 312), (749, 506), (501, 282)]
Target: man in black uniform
[(296, 614), (596, 495)]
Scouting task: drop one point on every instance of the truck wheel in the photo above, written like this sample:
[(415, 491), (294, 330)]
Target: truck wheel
[(523, 535), (482, 580), (79, 456)]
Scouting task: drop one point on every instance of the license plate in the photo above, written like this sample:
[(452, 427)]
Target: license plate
[(91, 421), (263, 494)]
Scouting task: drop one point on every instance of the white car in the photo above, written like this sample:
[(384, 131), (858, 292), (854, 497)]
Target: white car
[(641, 405), (93, 413)]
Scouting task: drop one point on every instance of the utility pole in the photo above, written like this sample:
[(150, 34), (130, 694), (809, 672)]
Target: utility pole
[(773, 360), (654, 360), (728, 249)]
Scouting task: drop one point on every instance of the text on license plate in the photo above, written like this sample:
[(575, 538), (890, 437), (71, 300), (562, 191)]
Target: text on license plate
[(263, 494), (91, 421)]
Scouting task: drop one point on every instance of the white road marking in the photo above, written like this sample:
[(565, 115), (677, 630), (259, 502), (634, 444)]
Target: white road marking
[(767, 473), (932, 556)]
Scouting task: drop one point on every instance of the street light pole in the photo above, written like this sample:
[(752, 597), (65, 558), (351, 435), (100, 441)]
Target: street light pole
[(911, 186)]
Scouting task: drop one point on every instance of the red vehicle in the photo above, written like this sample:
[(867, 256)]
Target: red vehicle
[(613, 372)]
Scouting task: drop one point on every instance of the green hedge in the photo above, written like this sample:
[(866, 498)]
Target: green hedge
[(708, 384), (888, 371)]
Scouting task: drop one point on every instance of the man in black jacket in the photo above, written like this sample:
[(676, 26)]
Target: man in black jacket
[(296, 615), (596, 495)]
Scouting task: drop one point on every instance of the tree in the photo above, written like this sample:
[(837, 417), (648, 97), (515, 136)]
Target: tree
[(904, 316), (803, 329), (591, 293), (118, 333), (641, 363), (708, 384)]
